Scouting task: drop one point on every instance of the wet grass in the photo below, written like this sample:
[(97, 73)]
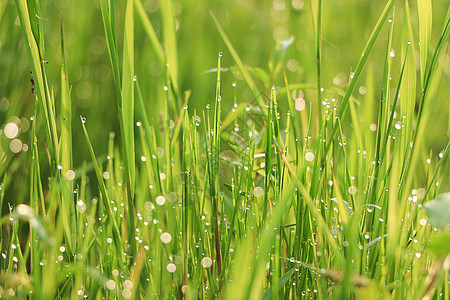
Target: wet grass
[(280, 186)]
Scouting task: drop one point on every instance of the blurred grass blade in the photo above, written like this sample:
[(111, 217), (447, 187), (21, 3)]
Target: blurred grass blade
[(150, 31), (65, 153), (170, 42), (108, 16), (41, 89), (102, 187), (408, 87), (277, 56), (355, 76), (425, 21), (282, 281), (248, 79), (127, 116)]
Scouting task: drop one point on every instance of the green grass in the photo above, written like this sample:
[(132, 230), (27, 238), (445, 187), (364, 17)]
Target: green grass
[(306, 167)]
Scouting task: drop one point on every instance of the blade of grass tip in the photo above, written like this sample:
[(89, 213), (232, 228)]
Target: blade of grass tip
[(318, 38), (394, 104), (170, 42), (420, 129), (355, 76), (127, 116), (215, 171), (178, 126), (293, 114), (65, 151), (102, 187), (35, 59), (408, 88), (383, 114), (425, 23), (150, 138), (34, 13), (429, 78), (248, 79), (150, 31), (186, 164), (111, 41), (268, 154)]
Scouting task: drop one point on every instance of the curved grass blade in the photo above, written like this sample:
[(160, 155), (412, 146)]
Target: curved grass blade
[(367, 49), (103, 190), (150, 31), (248, 79), (65, 152)]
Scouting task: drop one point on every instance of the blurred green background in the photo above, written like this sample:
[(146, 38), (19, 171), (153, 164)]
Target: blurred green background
[(252, 26)]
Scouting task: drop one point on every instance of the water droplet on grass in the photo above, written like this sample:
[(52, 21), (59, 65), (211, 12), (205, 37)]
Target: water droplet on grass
[(127, 284), (24, 210), (160, 200), (70, 175), (166, 237), (171, 268), (309, 156), (300, 104), (11, 130), (15, 145), (81, 206), (184, 289), (258, 192), (110, 284), (172, 197), (206, 262)]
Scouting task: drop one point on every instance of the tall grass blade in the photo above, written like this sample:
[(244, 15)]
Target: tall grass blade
[(65, 153), (354, 77), (170, 42), (248, 79), (425, 11)]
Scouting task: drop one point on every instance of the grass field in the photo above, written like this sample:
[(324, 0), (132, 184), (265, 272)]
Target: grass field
[(224, 150)]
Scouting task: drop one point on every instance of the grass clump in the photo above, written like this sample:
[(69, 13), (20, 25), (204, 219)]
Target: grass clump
[(290, 183)]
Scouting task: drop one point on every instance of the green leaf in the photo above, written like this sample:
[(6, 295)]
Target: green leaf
[(281, 282), (440, 245), (438, 211), (425, 22), (277, 56)]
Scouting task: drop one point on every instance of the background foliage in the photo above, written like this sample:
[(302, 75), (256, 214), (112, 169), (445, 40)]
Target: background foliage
[(269, 37)]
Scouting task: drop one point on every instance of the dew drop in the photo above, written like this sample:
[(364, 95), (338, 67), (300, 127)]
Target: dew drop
[(206, 262), (110, 284), (258, 192), (352, 190), (166, 237), (171, 268), (309, 156), (160, 200)]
